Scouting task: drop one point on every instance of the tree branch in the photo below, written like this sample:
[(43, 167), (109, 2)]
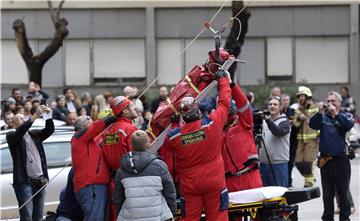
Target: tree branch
[(51, 11), (233, 45), (59, 9), (22, 41), (60, 33)]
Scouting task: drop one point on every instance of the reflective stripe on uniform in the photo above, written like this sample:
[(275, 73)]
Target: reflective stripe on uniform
[(244, 108), (206, 121), (307, 136)]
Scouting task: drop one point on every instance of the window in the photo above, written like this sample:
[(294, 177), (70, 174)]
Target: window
[(13, 69), (322, 60), (253, 71), (77, 62), (52, 73), (6, 161), (197, 53), (167, 50), (57, 155), (279, 57), (114, 59)]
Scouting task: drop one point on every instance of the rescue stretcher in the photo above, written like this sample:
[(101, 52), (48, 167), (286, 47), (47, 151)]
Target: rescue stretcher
[(276, 206)]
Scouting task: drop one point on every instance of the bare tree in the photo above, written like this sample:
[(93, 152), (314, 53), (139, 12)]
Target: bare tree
[(236, 38), (35, 63)]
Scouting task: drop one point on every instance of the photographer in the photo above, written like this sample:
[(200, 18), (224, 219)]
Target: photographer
[(334, 163), (274, 155), (29, 162)]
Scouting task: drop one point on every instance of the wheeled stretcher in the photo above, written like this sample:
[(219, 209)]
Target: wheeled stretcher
[(266, 203)]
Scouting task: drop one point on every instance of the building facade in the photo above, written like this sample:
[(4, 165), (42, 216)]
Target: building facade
[(113, 44)]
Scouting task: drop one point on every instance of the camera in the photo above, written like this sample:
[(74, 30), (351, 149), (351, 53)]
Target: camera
[(258, 117), (326, 108)]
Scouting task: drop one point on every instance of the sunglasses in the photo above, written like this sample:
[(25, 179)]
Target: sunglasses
[(86, 119), (276, 98)]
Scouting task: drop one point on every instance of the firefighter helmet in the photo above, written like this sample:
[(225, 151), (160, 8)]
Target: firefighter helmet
[(118, 104), (104, 113), (304, 90)]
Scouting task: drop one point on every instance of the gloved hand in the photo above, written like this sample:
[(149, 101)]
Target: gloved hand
[(222, 73), (219, 74), (175, 118)]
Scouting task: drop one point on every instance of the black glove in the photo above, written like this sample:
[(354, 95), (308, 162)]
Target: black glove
[(219, 74), (175, 118), (222, 73)]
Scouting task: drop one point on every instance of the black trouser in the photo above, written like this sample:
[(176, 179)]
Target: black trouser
[(336, 174)]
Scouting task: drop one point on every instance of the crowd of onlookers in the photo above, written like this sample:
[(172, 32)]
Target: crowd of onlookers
[(69, 105)]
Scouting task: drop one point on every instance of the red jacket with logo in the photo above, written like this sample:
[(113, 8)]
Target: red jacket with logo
[(115, 141), (197, 145), (239, 145), (87, 157)]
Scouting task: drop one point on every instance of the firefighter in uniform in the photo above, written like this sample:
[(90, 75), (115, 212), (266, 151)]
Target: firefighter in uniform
[(239, 150), (115, 140), (307, 147), (197, 145)]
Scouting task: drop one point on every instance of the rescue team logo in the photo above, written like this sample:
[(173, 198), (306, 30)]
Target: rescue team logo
[(194, 137), (111, 139)]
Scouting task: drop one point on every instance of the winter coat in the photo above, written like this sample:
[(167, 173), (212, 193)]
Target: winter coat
[(144, 189), (332, 132)]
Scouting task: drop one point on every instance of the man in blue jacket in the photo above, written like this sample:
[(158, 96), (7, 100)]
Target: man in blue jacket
[(334, 163)]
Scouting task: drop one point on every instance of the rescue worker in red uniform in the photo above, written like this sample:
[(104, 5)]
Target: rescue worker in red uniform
[(197, 145), (239, 150), (91, 172), (116, 141)]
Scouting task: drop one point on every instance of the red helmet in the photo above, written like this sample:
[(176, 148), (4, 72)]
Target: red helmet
[(212, 63), (118, 104), (189, 108)]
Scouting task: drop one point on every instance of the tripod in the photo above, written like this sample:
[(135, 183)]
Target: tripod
[(259, 141)]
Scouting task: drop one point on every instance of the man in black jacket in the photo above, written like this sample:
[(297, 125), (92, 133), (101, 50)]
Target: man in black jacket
[(29, 162)]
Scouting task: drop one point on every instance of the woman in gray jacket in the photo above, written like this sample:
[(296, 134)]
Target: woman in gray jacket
[(144, 189)]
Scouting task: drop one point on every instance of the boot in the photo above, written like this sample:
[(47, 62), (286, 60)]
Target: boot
[(309, 181)]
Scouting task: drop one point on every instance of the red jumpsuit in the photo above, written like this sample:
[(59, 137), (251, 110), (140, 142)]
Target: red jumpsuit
[(199, 164), (239, 146), (87, 157), (116, 142)]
